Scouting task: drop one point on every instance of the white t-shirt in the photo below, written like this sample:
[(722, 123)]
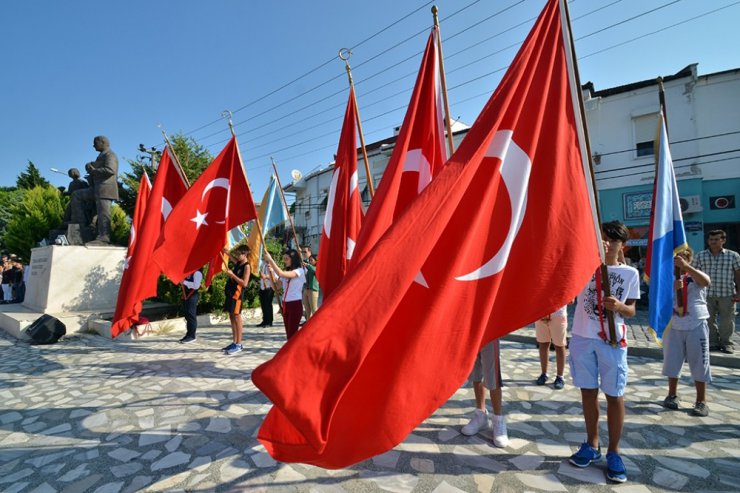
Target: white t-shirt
[(561, 312), (625, 285), (293, 287)]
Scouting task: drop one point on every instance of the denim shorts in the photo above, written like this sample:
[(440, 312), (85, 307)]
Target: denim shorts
[(595, 364)]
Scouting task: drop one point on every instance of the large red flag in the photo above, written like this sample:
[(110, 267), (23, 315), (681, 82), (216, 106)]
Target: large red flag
[(140, 276), (503, 235), (418, 155), (344, 208), (196, 229), (128, 305)]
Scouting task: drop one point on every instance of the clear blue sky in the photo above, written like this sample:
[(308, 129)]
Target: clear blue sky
[(75, 69)]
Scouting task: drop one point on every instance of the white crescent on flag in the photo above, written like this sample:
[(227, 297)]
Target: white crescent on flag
[(200, 218), (416, 161), (515, 171), (166, 208)]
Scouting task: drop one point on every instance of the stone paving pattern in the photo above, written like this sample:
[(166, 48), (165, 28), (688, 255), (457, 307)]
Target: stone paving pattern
[(90, 414)]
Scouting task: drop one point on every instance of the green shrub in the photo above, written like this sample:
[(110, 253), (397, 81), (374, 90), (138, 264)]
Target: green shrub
[(40, 210)]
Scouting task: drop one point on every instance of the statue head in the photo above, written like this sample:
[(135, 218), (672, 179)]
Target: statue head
[(101, 143), (73, 173)]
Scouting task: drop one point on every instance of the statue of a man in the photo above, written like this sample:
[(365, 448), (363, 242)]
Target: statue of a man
[(77, 183), (103, 177)]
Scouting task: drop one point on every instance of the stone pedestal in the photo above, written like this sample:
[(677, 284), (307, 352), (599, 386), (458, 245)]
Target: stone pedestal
[(64, 279)]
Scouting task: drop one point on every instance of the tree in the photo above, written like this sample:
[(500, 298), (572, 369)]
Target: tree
[(40, 210), (31, 178), (10, 197), (193, 157)]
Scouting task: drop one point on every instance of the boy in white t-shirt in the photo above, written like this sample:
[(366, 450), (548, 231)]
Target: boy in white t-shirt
[(596, 361)]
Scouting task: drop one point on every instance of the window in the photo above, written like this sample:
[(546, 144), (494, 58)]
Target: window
[(646, 128)]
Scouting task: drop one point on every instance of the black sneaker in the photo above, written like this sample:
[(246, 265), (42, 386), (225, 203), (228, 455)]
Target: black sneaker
[(714, 347), (558, 384), (671, 402), (700, 409), (542, 379), (187, 340), (728, 349)]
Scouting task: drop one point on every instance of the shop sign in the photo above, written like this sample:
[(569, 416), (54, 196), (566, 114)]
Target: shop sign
[(637, 205)]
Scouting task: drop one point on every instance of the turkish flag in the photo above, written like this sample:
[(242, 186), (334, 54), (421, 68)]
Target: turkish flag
[(196, 230), (418, 155), (139, 280), (503, 235), (344, 208)]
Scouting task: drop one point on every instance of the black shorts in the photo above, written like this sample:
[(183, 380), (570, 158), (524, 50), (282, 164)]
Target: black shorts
[(232, 305)]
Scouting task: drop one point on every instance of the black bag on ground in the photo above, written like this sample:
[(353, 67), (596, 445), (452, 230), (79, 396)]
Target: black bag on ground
[(46, 330)]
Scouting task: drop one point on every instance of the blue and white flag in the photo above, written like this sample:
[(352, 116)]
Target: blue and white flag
[(271, 213), (667, 237)]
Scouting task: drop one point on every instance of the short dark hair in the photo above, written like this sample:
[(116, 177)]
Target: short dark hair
[(616, 230), (716, 232), (242, 249)]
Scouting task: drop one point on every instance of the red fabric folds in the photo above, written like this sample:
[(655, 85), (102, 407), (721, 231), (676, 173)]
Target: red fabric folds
[(418, 155), (501, 237), (343, 209), (140, 276)]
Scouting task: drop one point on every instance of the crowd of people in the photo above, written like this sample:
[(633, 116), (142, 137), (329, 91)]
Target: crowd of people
[(12, 279), (703, 320)]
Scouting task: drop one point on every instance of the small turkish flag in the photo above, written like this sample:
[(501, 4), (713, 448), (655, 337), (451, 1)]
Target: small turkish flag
[(195, 232)]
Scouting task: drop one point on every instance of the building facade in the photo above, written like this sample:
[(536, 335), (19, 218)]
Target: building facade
[(703, 114)]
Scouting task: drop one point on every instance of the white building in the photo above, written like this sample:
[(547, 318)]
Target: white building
[(703, 114)]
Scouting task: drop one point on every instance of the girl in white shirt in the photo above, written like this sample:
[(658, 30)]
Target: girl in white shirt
[(293, 278)]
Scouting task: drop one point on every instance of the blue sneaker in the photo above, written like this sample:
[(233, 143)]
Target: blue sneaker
[(585, 456), (236, 349), (615, 470), (229, 347)]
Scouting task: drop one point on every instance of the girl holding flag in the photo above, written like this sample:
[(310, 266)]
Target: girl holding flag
[(293, 278)]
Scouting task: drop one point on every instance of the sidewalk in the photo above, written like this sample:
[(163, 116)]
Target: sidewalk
[(641, 342), (93, 415)]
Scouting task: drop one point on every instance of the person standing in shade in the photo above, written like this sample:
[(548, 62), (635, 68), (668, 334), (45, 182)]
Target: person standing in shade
[(310, 289), (688, 336), (236, 292), (266, 295), (486, 374), (190, 286), (597, 362), (723, 268), (293, 278), (552, 328)]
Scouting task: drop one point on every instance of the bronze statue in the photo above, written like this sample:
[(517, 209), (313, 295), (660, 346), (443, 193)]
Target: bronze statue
[(103, 190)]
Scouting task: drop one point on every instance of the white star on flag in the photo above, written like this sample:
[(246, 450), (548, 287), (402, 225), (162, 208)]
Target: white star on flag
[(199, 219)]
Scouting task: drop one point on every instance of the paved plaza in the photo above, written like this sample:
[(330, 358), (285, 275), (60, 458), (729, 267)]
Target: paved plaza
[(90, 414)]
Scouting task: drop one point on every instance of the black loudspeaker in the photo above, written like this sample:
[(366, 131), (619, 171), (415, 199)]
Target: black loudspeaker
[(46, 330)]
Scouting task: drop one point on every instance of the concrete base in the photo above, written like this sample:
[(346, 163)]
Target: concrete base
[(64, 279)]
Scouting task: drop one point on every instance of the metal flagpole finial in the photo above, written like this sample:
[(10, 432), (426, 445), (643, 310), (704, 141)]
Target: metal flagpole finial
[(435, 14), (344, 55), (227, 114)]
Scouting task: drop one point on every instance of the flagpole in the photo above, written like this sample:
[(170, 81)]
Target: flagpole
[(661, 101), (344, 55), (178, 166), (443, 79), (582, 128), (258, 224), (287, 211)]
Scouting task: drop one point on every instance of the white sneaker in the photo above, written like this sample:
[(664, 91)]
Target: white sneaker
[(478, 422), (500, 436)]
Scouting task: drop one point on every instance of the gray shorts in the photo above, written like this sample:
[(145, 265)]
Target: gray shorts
[(487, 366), (687, 345)]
